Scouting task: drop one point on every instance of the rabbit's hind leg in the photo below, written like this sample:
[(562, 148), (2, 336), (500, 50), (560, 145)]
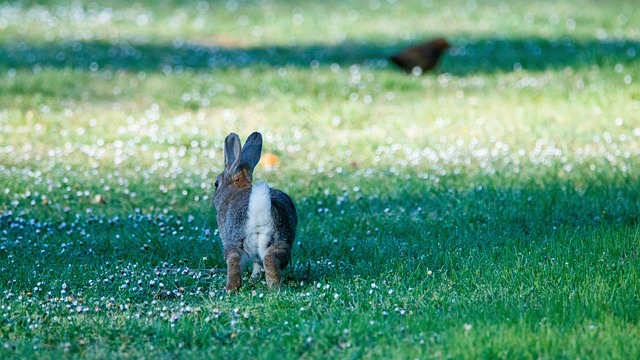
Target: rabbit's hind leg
[(234, 269), (274, 260)]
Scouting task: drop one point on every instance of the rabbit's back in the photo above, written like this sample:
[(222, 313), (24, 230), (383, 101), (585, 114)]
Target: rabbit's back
[(231, 216)]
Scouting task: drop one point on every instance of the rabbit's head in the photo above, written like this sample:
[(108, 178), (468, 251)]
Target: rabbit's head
[(239, 163)]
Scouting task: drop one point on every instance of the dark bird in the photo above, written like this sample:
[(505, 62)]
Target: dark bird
[(424, 56)]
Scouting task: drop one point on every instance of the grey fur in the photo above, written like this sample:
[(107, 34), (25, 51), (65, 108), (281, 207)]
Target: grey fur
[(251, 152), (232, 151), (231, 200)]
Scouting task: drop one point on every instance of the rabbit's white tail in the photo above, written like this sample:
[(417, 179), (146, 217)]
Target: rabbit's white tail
[(259, 205), (259, 221)]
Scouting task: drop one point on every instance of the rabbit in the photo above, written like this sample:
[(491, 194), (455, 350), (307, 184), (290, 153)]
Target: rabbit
[(257, 224)]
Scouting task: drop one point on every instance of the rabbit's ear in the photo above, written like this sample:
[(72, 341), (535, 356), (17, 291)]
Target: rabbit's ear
[(232, 154), (251, 152)]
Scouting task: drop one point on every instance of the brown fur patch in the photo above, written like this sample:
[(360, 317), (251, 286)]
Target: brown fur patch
[(234, 276), (271, 271), (274, 262), (241, 180)]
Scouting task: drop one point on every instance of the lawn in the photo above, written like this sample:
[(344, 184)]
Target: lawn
[(487, 209)]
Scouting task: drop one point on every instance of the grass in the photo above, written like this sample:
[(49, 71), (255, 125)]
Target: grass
[(488, 209)]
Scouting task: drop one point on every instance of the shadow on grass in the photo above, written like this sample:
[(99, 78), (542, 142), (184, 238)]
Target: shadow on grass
[(407, 232), (468, 56), (425, 229)]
